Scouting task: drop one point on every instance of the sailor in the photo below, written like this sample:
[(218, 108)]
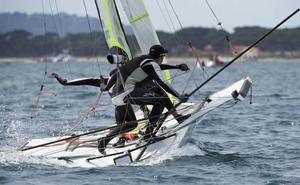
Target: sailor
[(149, 88), (124, 114), (140, 72)]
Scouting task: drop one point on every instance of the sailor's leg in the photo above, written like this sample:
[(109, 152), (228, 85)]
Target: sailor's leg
[(130, 115), (141, 96), (122, 125), (154, 116)]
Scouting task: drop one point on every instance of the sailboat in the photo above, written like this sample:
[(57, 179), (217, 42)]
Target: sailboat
[(81, 150), (64, 56), (212, 62)]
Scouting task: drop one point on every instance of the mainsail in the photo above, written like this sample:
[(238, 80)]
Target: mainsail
[(111, 25), (140, 21)]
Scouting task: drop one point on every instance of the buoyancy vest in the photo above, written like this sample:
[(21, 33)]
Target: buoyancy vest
[(129, 75)]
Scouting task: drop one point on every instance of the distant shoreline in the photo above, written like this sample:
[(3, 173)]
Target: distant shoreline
[(172, 59)]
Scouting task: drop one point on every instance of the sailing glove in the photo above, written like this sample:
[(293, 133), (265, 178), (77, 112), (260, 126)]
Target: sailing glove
[(59, 79), (183, 98), (183, 67)]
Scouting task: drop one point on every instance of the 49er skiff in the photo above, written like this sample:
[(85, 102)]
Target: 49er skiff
[(81, 150)]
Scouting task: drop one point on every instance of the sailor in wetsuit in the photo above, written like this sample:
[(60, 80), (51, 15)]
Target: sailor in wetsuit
[(130, 87), (148, 88), (124, 115)]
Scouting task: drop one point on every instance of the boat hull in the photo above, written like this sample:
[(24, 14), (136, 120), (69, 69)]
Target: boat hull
[(82, 151)]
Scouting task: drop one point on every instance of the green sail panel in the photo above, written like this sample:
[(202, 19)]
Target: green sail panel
[(143, 29), (112, 26)]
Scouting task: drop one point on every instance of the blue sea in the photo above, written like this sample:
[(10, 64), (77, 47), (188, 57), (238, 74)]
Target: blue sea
[(247, 144)]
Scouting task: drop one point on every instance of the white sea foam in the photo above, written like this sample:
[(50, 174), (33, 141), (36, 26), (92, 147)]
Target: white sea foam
[(10, 158), (186, 150)]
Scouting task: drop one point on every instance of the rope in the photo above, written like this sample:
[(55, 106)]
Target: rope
[(96, 103), (163, 15), (90, 29), (230, 44), (35, 106), (63, 32), (87, 115), (176, 15), (192, 49)]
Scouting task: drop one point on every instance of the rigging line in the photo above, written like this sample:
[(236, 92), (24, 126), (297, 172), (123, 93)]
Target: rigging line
[(168, 15), (198, 62), (219, 23), (90, 28), (55, 44), (189, 78), (93, 108), (175, 14), (189, 43), (88, 114), (59, 18), (229, 42), (54, 21), (163, 15), (35, 106), (68, 41)]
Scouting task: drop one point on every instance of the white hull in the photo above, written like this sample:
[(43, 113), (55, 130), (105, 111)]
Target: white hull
[(83, 151)]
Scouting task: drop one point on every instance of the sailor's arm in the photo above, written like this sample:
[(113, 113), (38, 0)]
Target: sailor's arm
[(150, 70), (182, 67), (81, 81), (110, 82)]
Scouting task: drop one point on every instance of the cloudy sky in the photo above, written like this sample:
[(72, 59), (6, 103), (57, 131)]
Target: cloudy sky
[(232, 13)]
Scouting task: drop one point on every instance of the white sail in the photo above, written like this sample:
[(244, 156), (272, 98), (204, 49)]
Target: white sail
[(140, 21)]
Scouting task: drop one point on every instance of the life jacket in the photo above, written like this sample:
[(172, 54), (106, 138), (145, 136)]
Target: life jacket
[(129, 75)]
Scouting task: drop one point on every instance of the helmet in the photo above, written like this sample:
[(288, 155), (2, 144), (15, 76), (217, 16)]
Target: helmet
[(157, 50)]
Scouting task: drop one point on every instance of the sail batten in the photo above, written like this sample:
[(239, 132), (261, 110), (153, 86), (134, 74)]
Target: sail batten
[(143, 29), (136, 19)]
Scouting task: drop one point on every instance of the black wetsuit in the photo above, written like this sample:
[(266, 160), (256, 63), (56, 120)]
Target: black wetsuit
[(135, 75)]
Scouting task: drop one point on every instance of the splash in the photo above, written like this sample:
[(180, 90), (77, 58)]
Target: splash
[(17, 158), (13, 131)]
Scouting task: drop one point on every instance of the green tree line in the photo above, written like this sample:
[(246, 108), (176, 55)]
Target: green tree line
[(20, 43)]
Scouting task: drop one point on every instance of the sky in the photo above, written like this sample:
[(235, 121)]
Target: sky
[(191, 13)]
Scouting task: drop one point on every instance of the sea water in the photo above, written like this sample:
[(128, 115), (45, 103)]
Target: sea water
[(256, 143)]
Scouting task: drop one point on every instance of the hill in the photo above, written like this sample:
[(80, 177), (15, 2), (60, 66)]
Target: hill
[(60, 23)]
